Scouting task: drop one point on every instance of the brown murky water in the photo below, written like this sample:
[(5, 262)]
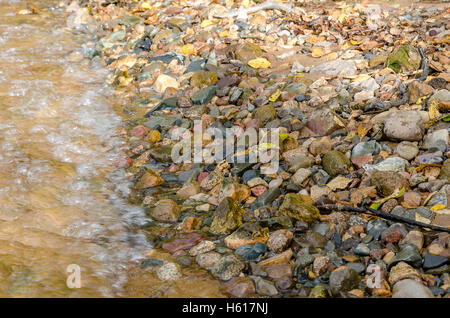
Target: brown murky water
[(61, 199)]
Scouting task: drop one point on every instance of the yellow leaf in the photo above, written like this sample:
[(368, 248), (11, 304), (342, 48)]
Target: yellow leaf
[(437, 207), (259, 63), (317, 52), (275, 96), (433, 110), (188, 49), (206, 23), (353, 42)]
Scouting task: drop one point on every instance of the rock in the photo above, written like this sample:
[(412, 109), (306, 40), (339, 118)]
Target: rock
[(404, 125), (320, 146), (279, 240), (407, 150), (162, 153), (251, 253), (240, 287), (411, 200), (394, 233), (139, 131), (265, 113), (442, 99), (208, 260), (376, 227), (300, 176), (319, 291), (227, 217), (166, 210), (148, 180), (387, 182), (278, 271), (417, 90), (163, 82), (408, 254), (362, 250), (316, 239), (405, 58), (249, 233), (437, 140), (409, 288), (169, 272), (322, 122), (434, 261), (335, 68), (202, 247), (247, 51), (204, 95), (201, 78), (366, 147), (445, 171), (297, 207), (303, 260), (277, 259), (183, 241), (227, 267), (335, 162), (414, 238), (189, 189), (265, 287), (320, 265), (343, 280)]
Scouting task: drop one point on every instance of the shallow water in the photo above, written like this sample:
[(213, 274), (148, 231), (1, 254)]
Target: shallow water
[(61, 199)]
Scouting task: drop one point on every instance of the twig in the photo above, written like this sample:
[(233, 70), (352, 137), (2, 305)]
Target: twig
[(387, 216), (269, 5)]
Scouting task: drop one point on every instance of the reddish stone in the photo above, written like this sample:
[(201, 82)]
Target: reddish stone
[(138, 131), (394, 237), (377, 253), (362, 160), (202, 176), (239, 287), (183, 241)]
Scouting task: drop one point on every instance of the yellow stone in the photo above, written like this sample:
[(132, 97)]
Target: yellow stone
[(437, 207), (154, 136), (259, 63), (206, 23)]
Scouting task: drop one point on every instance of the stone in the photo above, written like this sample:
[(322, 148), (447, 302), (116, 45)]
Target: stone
[(208, 260), (299, 208), (149, 179), (322, 121), (204, 95), (316, 239), (362, 250), (404, 125), (247, 51), (411, 200), (227, 267), (265, 287), (301, 175), (445, 171), (335, 162), (279, 240), (409, 288), (265, 113), (394, 233), (417, 90), (202, 247), (387, 182), (251, 253), (277, 259), (182, 241), (366, 147), (434, 261), (227, 217), (189, 189), (162, 153), (240, 287), (163, 82), (320, 146), (169, 272), (408, 254), (201, 78), (320, 265), (335, 68), (407, 150), (249, 233), (405, 58), (319, 291), (442, 98), (414, 238), (343, 280), (166, 210)]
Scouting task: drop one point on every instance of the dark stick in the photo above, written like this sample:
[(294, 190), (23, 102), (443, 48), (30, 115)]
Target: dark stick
[(387, 216)]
